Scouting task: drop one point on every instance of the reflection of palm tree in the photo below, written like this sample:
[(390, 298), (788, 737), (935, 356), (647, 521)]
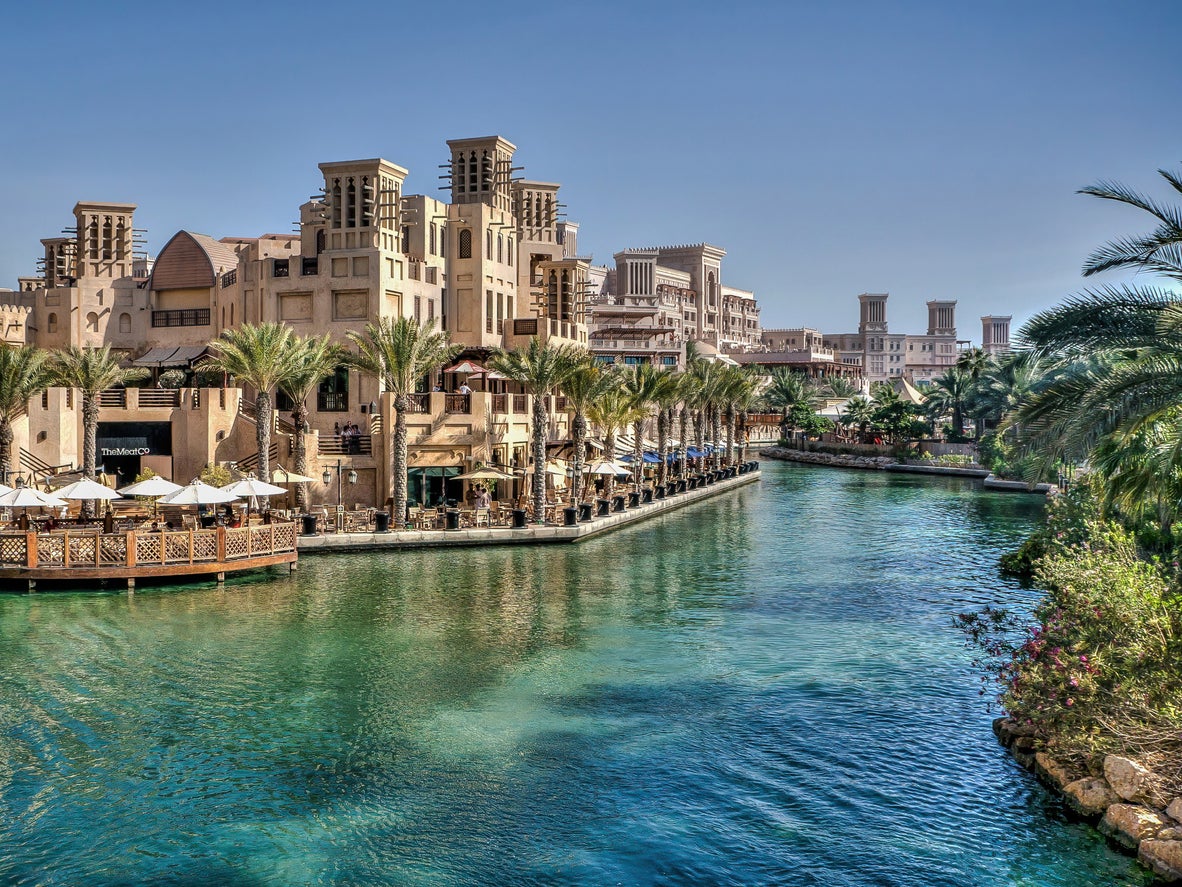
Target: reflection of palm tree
[(92, 371), (24, 373), (542, 369), (400, 353)]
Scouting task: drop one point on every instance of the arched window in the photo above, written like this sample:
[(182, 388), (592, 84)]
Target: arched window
[(465, 243), (120, 240), (549, 218), (443, 241), (488, 243), (92, 322), (500, 248), (538, 211), (432, 242), (231, 314), (93, 238), (321, 240), (510, 256), (486, 176), (125, 323), (336, 203), (350, 205), (52, 322), (108, 234), (472, 186)]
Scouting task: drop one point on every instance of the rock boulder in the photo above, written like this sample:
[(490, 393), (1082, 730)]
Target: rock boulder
[(1130, 824), (1164, 857), (1133, 782), (1089, 796)]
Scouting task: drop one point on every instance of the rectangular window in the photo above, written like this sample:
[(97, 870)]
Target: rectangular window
[(309, 265), (332, 396), (418, 310), (279, 268), (185, 317), (340, 267), (488, 312)]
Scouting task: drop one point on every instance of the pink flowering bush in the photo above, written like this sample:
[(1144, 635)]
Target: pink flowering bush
[(1100, 669)]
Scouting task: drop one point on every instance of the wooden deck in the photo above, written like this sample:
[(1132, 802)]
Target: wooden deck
[(86, 556)]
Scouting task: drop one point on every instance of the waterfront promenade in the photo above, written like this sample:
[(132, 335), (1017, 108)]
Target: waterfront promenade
[(532, 534)]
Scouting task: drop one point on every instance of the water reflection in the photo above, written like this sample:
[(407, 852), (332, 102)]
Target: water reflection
[(764, 688)]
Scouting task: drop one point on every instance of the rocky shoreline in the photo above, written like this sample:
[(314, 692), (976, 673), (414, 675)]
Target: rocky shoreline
[(872, 463), (1127, 801)]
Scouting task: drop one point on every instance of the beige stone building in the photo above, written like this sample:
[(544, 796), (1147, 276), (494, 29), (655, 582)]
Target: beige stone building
[(493, 267), (656, 299)]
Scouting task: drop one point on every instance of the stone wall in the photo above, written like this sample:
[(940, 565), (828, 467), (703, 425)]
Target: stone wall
[(1128, 802)]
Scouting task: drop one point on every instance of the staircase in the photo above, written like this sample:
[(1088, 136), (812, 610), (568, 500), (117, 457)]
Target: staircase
[(251, 463)]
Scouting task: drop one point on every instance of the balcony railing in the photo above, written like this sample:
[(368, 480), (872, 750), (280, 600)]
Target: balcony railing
[(159, 397), (457, 403), (500, 403), (184, 317), (346, 445), (113, 397), (418, 403)]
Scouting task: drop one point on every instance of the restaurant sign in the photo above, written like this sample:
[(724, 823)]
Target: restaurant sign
[(124, 446)]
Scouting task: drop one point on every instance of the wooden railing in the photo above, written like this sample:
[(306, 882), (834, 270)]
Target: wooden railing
[(92, 550), (345, 445)]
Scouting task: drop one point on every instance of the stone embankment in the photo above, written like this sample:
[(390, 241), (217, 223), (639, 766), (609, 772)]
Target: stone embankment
[(1127, 801), (890, 463), (873, 463)]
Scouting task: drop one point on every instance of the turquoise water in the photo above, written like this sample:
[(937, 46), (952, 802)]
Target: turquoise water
[(762, 689)]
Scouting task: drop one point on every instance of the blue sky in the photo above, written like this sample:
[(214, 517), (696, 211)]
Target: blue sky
[(926, 149)]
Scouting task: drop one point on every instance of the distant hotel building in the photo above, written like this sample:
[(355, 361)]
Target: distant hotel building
[(874, 353)]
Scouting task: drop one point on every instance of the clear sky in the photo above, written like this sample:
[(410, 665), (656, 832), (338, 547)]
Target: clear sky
[(925, 149)]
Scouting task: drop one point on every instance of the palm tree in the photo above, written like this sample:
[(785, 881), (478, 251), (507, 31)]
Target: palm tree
[(312, 361), (646, 385), (839, 387), (1114, 353), (858, 412), (24, 373), (259, 356), (399, 353), (974, 361), (686, 395), (92, 371), (583, 388), (948, 393), (745, 396), (788, 389), (613, 411), (668, 398), (541, 369)]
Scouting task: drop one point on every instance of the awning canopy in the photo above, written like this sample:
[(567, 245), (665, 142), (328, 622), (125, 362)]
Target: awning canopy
[(170, 356)]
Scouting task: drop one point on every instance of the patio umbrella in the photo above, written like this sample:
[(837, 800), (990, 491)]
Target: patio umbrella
[(86, 489), (29, 497), (152, 487), (466, 367), (484, 474), (606, 467), (283, 476), (198, 493), (252, 486), (250, 489)]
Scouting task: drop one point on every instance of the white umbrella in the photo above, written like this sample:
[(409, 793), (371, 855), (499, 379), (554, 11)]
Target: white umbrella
[(86, 489), (153, 486), (283, 476), (4, 488), (252, 486), (607, 467), (29, 497), (198, 493)]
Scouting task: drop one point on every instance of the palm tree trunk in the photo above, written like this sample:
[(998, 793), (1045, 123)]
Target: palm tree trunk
[(6, 438), (90, 417), (541, 421), (663, 417), (638, 451), (715, 436), (682, 440), (398, 462), (299, 416), (262, 434), (700, 432), (609, 445), (579, 434), (730, 434)]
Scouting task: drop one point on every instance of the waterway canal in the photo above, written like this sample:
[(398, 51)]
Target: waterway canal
[(765, 688)]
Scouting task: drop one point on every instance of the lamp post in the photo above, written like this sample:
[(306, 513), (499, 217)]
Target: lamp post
[(326, 476)]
